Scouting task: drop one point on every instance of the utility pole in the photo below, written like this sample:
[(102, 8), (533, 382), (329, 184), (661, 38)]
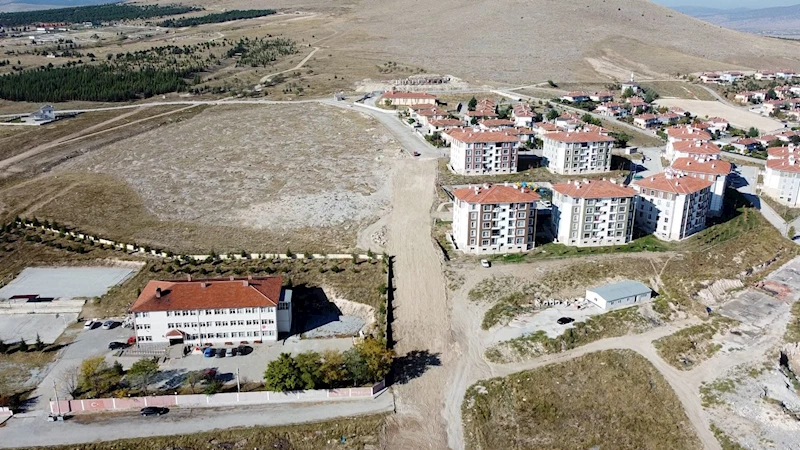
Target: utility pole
[(238, 386), (55, 391)]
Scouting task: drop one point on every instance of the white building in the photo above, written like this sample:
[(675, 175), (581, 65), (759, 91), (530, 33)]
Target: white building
[(474, 152), (402, 98), (593, 213), (730, 77), (577, 152), (782, 177), (672, 205), (714, 170), (211, 311), (576, 97), (766, 75), (523, 115), (494, 219), (619, 295), (694, 149), (684, 134)]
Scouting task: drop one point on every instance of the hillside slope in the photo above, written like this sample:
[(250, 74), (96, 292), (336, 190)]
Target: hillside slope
[(527, 41), (781, 20)]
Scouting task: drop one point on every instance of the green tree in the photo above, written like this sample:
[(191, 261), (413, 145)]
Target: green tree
[(332, 369), (282, 374), (3, 347), (473, 103), (792, 232), (552, 115), (38, 345), (90, 376), (22, 346), (142, 373), (308, 364), (628, 92), (357, 367), (194, 379), (752, 132), (771, 94), (377, 357)]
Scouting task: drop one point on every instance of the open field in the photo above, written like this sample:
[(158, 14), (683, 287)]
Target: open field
[(356, 433), (739, 118), (787, 213), (338, 165), (679, 89), (610, 399), (691, 346)]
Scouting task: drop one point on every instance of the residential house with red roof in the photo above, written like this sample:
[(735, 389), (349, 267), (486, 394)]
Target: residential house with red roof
[(214, 310), (684, 133), (475, 152), (593, 213), (646, 121), (601, 97), (611, 109), (577, 152), (494, 219), (765, 75), (672, 205), (575, 97), (523, 115)]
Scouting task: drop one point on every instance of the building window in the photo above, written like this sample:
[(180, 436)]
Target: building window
[(144, 338), (142, 326)]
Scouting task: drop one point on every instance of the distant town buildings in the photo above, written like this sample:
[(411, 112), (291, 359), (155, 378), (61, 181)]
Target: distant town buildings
[(494, 219)]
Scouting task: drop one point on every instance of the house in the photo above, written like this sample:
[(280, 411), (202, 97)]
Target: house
[(619, 295), (579, 152), (403, 98), (708, 169), (683, 133), (783, 152), (694, 149), (637, 105), (601, 97), (786, 74), (765, 75), (759, 96), (765, 139), (770, 107), (543, 128), (423, 116), (746, 145), (441, 125), (630, 85), (668, 118), (45, 114), (215, 310), (718, 124), (795, 90), (494, 219), (593, 213), (672, 205), (611, 109), (646, 121), (782, 178), (744, 97), (710, 77), (730, 77), (575, 97), (522, 115), (480, 114), (474, 152), (495, 124)]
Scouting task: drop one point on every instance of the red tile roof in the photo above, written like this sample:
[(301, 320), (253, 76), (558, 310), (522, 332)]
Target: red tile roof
[(445, 123), (687, 133), (674, 183), (696, 148), (482, 136), (497, 123), (497, 193), (404, 94), (780, 152), (578, 137), (593, 189), (788, 164), (693, 165), (215, 293)]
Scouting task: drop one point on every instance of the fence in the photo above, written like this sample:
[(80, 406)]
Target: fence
[(5, 414), (200, 400), (232, 256)]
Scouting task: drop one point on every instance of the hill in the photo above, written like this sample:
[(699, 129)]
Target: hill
[(519, 42), (781, 21)]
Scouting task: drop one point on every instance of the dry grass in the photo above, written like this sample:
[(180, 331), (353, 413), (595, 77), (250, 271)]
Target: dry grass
[(610, 399), (679, 89), (446, 177), (691, 346), (787, 213), (360, 432)]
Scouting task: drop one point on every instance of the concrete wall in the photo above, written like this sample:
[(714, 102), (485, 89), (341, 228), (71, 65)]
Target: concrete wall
[(200, 400), (5, 414), (54, 307)]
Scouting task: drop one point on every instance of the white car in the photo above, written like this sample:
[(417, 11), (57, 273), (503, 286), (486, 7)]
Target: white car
[(88, 324), (485, 263)]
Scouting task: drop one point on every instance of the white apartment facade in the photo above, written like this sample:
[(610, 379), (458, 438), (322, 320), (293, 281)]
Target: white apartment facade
[(672, 205), (475, 152), (576, 153), (593, 213), (212, 311), (713, 170), (494, 219), (683, 134), (782, 178)]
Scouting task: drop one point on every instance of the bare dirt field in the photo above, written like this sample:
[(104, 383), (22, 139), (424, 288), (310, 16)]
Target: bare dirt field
[(739, 118), (679, 89), (274, 168)]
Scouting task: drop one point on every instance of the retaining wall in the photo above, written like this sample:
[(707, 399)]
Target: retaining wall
[(54, 307), (200, 400)]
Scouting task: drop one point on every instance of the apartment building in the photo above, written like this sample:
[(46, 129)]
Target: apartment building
[(782, 176), (494, 219), (475, 152), (593, 213), (672, 205), (213, 310), (685, 133), (579, 152), (714, 170)]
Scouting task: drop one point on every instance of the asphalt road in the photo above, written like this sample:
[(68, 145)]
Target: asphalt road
[(37, 431)]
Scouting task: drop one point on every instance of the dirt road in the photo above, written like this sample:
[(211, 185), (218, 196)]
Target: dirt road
[(421, 322)]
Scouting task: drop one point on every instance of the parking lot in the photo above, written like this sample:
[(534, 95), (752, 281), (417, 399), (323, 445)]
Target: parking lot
[(547, 321)]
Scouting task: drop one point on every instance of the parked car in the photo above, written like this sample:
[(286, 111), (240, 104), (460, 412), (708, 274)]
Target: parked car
[(153, 411), (108, 324), (416, 153), (220, 353), (116, 345), (565, 320), (208, 352), (230, 352), (485, 263), (89, 324)]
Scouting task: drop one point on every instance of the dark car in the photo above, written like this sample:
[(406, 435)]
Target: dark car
[(153, 411), (565, 320), (220, 353), (116, 345)]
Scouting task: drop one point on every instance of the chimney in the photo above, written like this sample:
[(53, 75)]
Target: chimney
[(188, 277), (204, 284), (232, 278), (245, 283), (249, 277), (158, 292)]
